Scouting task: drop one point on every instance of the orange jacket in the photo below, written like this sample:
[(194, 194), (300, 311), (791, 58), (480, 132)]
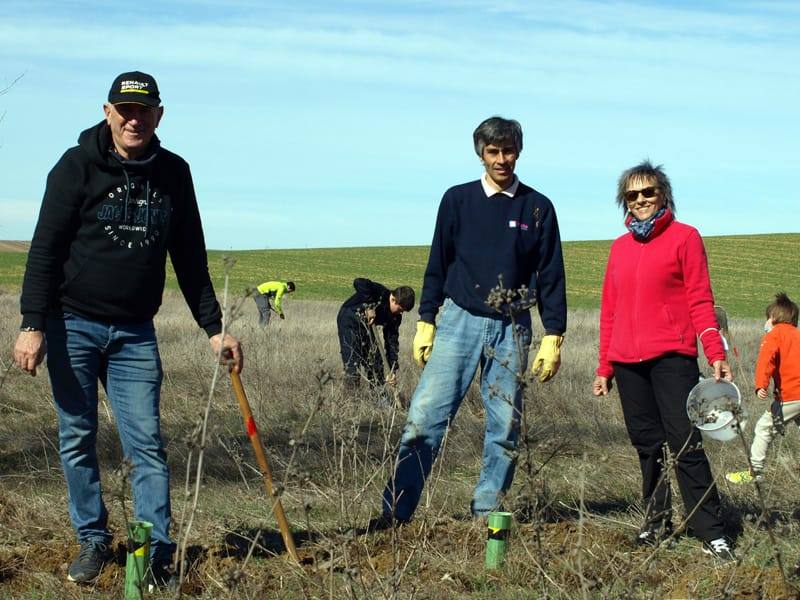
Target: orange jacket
[(779, 359)]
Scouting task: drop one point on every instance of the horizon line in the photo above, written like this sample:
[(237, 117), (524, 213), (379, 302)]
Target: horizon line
[(268, 249)]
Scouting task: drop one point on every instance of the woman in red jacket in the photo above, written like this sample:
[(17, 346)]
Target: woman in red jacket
[(656, 304)]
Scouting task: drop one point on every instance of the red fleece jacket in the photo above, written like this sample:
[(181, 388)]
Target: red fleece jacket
[(657, 298), (779, 359)]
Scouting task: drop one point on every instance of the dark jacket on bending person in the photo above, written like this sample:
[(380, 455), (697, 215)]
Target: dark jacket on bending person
[(371, 294)]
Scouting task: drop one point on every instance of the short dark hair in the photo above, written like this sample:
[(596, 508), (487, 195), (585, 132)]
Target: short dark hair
[(290, 286), (645, 170), (497, 130), (404, 296), (782, 310)]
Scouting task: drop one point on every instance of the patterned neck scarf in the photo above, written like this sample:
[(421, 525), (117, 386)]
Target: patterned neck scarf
[(641, 230)]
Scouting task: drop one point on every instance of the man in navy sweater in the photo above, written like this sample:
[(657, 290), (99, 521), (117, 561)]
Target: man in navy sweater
[(495, 229)]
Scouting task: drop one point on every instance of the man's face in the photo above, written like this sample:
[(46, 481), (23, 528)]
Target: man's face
[(394, 307), (499, 162), (132, 126)]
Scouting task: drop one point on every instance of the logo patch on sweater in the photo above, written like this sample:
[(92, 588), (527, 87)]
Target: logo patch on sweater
[(512, 224), (132, 220)]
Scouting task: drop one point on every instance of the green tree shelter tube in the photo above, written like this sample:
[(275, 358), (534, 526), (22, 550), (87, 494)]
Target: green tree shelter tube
[(499, 524), (138, 559)]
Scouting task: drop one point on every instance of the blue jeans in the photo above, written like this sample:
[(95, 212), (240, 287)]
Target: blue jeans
[(463, 343), (125, 359)]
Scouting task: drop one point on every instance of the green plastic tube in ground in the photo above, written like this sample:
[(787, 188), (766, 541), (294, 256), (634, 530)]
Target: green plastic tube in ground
[(499, 524), (138, 559)]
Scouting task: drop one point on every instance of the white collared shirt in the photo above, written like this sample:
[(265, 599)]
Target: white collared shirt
[(510, 191)]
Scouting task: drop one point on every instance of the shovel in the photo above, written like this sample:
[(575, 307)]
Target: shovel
[(263, 465)]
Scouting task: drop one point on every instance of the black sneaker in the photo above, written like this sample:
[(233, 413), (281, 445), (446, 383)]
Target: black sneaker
[(720, 549), (382, 523), (162, 575), (652, 534), (89, 562)]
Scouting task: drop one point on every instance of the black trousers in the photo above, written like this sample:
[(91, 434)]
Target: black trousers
[(653, 395), (359, 348)]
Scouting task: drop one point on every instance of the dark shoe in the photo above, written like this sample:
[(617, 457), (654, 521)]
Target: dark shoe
[(89, 562), (383, 522), (720, 549), (162, 575), (652, 534)]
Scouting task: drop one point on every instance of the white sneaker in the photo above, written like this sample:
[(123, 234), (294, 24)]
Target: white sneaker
[(720, 549)]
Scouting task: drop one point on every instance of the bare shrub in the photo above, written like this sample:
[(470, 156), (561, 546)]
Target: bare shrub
[(332, 453)]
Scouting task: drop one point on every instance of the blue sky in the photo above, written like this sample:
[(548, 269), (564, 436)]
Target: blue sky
[(312, 124)]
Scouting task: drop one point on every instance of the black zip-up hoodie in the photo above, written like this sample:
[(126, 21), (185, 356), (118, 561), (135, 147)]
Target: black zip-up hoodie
[(104, 230)]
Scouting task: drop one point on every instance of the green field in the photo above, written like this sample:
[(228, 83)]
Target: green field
[(745, 270)]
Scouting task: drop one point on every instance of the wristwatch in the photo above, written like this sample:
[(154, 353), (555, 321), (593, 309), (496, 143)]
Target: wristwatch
[(27, 329)]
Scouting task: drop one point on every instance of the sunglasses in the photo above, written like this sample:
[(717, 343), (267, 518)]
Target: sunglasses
[(633, 195)]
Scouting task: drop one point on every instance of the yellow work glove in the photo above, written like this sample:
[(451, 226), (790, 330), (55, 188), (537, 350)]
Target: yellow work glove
[(423, 342), (548, 359)]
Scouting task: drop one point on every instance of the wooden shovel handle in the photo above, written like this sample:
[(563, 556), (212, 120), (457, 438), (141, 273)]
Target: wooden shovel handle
[(263, 465)]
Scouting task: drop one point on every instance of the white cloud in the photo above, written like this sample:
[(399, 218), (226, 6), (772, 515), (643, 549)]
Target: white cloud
[(335, 99)]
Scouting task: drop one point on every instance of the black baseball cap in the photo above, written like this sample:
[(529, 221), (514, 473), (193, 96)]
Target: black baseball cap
[(135, 87)]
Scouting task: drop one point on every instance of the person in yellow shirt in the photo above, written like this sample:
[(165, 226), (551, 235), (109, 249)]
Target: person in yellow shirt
[(265, 294)]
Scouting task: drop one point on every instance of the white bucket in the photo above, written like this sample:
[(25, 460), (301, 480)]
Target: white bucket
[(713, 407)]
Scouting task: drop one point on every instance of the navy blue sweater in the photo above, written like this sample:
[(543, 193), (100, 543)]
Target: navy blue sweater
[(477, 239)]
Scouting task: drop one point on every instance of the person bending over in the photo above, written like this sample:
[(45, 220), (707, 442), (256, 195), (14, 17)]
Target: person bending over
[(268, 293), (371, 304)]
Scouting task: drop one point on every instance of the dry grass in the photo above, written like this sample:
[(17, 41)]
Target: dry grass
[(333, 476), (14, 246)]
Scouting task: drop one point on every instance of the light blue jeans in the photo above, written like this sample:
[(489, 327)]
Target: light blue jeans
[(463, 343), (125, 359)]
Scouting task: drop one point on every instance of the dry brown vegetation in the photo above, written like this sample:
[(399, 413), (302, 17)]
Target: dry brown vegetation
[(14, 246), (576, 502)]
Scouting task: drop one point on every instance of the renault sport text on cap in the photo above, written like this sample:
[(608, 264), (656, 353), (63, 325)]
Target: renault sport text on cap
[(136, 87)]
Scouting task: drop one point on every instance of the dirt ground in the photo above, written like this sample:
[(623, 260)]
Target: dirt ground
[(445, 557), (332, 452)]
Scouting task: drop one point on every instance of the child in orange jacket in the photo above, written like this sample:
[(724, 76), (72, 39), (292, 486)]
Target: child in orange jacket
[(779, 360)]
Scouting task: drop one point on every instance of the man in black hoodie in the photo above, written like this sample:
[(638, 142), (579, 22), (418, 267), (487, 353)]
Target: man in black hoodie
[(372, 304), (114, 206)]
